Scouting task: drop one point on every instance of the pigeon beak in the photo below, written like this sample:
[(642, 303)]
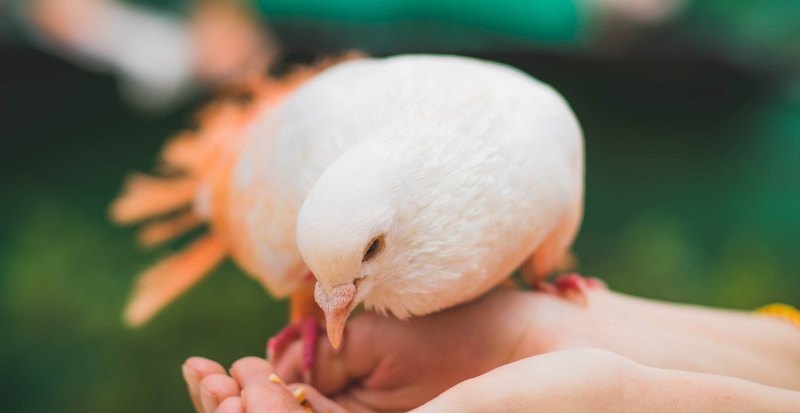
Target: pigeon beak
[(337, 304)]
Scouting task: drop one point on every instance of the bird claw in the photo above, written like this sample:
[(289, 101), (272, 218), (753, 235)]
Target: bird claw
[(308, 332), (572, 287), (277, 343)]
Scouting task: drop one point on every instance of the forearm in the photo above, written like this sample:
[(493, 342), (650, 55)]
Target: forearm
[(691, 338), (657, 390), (597, 381)]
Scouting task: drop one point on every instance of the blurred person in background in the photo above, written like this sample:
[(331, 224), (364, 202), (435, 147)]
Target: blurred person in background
[(158, 58), (161, 55)]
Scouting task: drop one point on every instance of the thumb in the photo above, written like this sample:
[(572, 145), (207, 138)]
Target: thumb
[(481, 394)]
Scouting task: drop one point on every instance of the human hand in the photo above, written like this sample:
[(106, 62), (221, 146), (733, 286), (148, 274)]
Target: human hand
[(251, 387), (599, 381), (575, 381), (391, 365), (387, 365)]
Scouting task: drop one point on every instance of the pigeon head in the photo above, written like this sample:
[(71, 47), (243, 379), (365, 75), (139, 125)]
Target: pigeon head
[(390, 225), (348, 233)]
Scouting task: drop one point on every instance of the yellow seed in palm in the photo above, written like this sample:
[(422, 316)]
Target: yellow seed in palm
[(275, 379)]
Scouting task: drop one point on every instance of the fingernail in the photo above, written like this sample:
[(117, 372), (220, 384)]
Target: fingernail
[(195, 362), (192, 378), (188, 372)]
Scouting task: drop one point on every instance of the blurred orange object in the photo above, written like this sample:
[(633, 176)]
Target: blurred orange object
[(782, 311)]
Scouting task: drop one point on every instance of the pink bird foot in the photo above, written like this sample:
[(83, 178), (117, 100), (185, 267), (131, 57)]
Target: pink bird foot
[(573, 287), (308, 332)]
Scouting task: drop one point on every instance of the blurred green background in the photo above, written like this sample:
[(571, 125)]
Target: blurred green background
[(693, 195)]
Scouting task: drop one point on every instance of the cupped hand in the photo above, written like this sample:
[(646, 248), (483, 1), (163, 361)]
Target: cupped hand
[(386, 364), (391, 365), (581, 380), (251, 387), (574, 381)]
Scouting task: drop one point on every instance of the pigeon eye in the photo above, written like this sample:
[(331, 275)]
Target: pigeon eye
[(375, 248)]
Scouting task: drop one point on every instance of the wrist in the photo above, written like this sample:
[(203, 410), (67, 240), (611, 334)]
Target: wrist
[(659, 390)]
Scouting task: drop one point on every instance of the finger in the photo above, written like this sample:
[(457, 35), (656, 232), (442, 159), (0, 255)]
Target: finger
[(269, 398), (231, 405), (348, 403), (289, 365), (333, 370), (474, 395), (562, 380), (251, 370), (330, 371), (195, 370), (319, 403), (216, 388), (365, 343)]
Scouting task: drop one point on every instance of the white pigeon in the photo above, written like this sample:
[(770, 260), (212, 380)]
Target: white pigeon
[(410, 184), (425, 180)]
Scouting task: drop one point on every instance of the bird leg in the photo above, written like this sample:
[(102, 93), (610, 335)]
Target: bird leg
[(574, 287), (304, 323), (277, 343), (309, 333)]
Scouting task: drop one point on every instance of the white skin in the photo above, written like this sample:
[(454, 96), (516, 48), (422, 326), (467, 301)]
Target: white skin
[(675, 353)]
